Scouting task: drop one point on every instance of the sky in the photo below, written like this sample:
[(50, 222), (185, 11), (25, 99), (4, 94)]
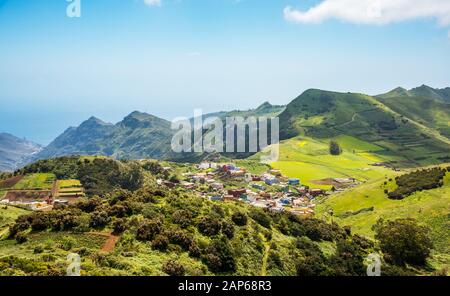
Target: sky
[(169, 57)]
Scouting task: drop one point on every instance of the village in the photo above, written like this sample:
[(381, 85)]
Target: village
[(219, 182), (271, 190)]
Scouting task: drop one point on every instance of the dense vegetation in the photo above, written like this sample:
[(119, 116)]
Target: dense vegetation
[(416, 181), (97, 175), (175, 232), (403, 241)]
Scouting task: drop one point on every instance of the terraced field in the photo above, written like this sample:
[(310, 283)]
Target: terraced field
[(309, 160), (36, 182), (69, 189)]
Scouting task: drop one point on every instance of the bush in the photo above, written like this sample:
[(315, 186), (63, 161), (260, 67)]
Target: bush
[(260, 217), (119, 225), (181, 238), (219, 257), (403, 241), (161, 242), (194, 250), (239, 218), (40, 222), (416, 181), (173, 268), (99, 219), (89, 205), (274, 260), (228, 229), (148, 230), (21, 237), (209, 226), (183, 218)]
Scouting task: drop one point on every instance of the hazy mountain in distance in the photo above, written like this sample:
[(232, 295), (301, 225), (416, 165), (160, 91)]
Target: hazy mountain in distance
[(139, 135), (14, 151)]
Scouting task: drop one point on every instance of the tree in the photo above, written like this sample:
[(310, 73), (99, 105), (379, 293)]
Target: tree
[(403, 241), (335, 149)]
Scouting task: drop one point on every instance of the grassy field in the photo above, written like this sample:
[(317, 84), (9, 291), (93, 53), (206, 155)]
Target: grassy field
[(36, 181), (310, 160), (361, 207), (69, 188), (8, 215), (69, 183)]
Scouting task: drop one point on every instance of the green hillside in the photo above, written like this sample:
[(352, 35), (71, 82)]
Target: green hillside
[(429, 112), (147, 229), (310, 160), (323, 115), (424, 91), (362, 206)]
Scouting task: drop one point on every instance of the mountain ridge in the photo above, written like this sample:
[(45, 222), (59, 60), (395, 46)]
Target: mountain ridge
[(15, 151)]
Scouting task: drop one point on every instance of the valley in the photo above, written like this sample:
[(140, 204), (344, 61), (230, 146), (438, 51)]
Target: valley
[(117, 195)]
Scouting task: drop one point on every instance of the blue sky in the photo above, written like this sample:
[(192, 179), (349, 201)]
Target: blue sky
[(124, 55)]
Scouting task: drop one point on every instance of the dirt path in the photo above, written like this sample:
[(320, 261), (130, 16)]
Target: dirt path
[(110, 242), (265, 257)]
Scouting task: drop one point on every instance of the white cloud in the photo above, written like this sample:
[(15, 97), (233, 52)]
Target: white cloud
[(153, 2), (372, 12)]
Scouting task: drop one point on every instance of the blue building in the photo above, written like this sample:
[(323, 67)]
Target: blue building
[(294, 182)]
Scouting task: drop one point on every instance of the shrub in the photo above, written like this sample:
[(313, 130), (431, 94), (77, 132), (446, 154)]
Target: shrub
[(181, 238), (173, 268), (148, 230), (239, 218), (416, 181), (40, 221), (228, 229), (89, 205), (274, 260), (194, 250), (21, 237), (161, 242), (99, 219), (260, 217), (182, 217), (219, 257), (119, 225), (209, 226)]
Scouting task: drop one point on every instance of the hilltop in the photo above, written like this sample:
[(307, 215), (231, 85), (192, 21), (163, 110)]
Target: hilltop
[(325, 115), (425, 91)]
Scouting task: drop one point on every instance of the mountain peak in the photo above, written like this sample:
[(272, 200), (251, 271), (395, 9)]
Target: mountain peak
[(93, 122), (265, 105)]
